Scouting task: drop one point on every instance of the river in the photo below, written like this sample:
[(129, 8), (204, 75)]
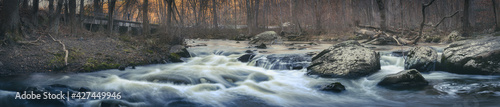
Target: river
[(215, 78)]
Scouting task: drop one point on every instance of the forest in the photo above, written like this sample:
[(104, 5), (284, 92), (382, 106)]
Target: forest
[(151, 27), (297, 17)]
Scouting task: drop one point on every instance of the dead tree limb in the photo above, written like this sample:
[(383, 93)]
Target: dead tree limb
[(64, 49), (442, 19), (423, 21), (32, 42)]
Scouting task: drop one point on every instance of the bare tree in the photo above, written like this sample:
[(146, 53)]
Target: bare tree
[(51, 6), (111, 8), (256, 13), (214, 11), (422, 24), (169, 13), (10, 19), (381, 8), (145, 19), (25, 4), (497, 18), (295, 17), (465, 20), (35, 12), (250, 17), (54, 20), (72, 14), (82, 10)]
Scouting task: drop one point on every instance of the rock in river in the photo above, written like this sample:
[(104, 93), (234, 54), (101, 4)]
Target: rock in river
[(282, 61), (176, 52), (345, 60), (423, 59), (407, 79), (333, 87), (247, 57), (267, 37), (480, 56)]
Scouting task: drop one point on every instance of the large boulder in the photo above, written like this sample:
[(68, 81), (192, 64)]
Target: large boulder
[(407, 79), (423, 59), (345, 60), (480, 56), (267, 37), (177, 52)]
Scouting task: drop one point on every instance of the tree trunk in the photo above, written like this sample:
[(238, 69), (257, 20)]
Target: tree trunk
[(295, 9), (82, 10), (55, 20), (10, 19), (256, 16), (465, 20), (97, 9), (214, 11), (35, 12), (145, 18), (422, 23), (249, 16), (317, 16), (72, 19), (169, 13), (497, 18), (51, 6), (25, 4), (111, 8), (381, 9), (66, 13)]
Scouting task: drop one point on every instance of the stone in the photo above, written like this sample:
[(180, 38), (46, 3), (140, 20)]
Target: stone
[(333, 87), (122, 68), (248, 51), (261, 46), (282, 61), (454, 36), (345, 60), (246, 57), (180, 50), (481, 56), (267, 37), (424, 59), (406, 79)]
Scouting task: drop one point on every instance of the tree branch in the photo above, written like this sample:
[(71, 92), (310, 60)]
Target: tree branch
[(428, 4), (449, 16)]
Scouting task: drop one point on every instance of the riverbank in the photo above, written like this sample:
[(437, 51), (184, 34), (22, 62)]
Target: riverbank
[(87, 51)]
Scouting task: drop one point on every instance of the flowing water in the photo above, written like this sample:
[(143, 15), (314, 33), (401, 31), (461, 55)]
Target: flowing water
[(218, 79)]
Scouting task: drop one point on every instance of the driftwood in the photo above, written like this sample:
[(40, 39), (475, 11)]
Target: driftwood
[(64, 49), (392, 33), (32, 42), (375, 34)]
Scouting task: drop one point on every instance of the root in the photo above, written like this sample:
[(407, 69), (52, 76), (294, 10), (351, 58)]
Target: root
[(64, 49)]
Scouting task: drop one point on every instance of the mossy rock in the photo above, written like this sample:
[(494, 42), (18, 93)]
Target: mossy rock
[(174, 57)]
